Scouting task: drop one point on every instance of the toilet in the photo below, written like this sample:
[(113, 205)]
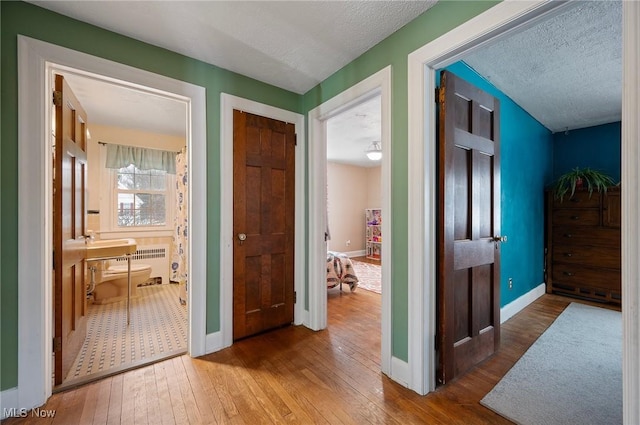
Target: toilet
[(111, 280)]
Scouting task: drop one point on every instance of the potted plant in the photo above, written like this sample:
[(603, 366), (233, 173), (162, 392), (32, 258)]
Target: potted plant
[(582, 178)]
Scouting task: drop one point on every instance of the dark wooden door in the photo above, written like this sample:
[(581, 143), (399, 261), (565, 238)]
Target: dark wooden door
[(468, 287), (263, 223), (70, 177)]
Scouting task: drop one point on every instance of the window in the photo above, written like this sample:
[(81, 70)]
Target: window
[(141, 197)]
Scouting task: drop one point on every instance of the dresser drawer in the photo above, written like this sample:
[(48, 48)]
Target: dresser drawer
[(609, 279), (578, 235), (576, 217), (580, 199), (599, 256)]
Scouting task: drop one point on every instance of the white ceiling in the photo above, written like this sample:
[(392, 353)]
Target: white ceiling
[(566, 71), (290, 44)]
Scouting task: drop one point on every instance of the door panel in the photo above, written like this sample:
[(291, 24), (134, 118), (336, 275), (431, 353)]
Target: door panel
[(468, 286), (264, 211), (70, 165)]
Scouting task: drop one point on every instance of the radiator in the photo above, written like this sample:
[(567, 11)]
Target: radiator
[(157, 256)]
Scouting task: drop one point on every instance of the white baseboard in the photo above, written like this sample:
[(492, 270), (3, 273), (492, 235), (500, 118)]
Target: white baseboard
[(360, 253), (8, 401), (511, 309), (213, 342), (400, 371)]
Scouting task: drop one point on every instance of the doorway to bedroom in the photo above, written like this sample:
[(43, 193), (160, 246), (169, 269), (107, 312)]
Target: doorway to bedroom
[(354, 198), (354, 225)]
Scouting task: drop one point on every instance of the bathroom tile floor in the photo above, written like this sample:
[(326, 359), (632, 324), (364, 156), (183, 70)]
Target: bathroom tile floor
[(158, 328)]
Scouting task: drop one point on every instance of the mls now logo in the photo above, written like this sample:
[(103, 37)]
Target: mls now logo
[(14, 412)]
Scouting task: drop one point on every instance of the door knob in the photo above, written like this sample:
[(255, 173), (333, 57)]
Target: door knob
[(242, 237), (498, 238)]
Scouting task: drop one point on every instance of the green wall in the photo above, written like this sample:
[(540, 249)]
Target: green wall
[(394, 51), (26, 19), (32, 21)]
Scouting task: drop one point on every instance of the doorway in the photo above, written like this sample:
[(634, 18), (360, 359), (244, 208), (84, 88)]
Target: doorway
[(354, 197), (422, 64), (37, 60), (379, 82), (146, 203)]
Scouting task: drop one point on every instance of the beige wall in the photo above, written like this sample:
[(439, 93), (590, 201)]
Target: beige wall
[(96, 155), (350, 190)]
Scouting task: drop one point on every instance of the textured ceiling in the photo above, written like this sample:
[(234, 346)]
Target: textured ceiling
[(566, 71), (290, 44)]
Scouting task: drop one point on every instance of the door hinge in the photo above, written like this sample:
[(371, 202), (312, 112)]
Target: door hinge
[(439, 94), (57, 98), (57, 344), (295, 297)]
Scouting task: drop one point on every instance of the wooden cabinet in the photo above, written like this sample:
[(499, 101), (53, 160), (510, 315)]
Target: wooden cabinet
[(583, 245), (373, 233)]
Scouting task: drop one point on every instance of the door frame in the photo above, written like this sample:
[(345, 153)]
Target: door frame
[(378, 83), (228, 103), (36, 62), (500, 20)]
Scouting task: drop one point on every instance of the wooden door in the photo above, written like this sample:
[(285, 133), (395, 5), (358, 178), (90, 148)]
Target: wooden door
[(263, 223), (468, 287), (70, 177)]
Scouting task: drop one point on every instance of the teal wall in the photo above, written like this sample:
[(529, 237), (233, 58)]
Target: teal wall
[(23, 18), (596, 147), (526, 154)]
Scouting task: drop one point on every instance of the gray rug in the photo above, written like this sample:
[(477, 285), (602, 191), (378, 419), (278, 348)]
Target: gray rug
[(571, 375)]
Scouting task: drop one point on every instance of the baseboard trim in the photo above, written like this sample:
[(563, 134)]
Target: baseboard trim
[(400, 371), (213, 342), (511, 309), (8, 402), (351, 254)]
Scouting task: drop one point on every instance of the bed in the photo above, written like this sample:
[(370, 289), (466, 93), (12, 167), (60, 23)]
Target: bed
[(340, 270)]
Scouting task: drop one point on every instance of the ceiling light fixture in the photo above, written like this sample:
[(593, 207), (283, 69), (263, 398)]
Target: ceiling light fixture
[(374, 152)]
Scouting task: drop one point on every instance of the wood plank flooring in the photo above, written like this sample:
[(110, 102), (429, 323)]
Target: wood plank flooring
[(297, 376)]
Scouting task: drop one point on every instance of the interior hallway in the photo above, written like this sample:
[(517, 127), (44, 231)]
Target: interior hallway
[(295, 375)]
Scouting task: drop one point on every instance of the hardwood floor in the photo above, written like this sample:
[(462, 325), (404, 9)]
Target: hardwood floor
[(294, 375)]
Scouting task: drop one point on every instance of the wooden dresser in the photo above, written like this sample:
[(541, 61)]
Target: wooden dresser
[(583, 245)]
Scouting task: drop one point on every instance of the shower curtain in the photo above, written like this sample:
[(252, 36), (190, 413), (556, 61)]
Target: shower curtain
[(179, 256)]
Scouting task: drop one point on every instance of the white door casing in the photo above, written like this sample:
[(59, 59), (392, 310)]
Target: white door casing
[(37, 60)]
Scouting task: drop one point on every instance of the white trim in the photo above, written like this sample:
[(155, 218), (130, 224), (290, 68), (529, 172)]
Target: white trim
[(510, 15), (630, 212), (380, 82), (227, 104), (360, 253), (214, 342), (8, 400), (515, 306), (400, 371), (36, 59)]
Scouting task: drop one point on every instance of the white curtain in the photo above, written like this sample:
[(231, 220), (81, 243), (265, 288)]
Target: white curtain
[(179, 256)]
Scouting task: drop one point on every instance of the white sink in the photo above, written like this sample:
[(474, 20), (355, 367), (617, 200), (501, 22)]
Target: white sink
[(110, 248)]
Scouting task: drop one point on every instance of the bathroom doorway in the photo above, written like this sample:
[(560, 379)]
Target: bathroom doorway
[(126, 327)]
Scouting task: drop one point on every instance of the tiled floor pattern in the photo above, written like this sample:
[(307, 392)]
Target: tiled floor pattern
[(158, 325)]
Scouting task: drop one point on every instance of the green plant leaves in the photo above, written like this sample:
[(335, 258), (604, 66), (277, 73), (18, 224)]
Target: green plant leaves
[(591, 179)]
